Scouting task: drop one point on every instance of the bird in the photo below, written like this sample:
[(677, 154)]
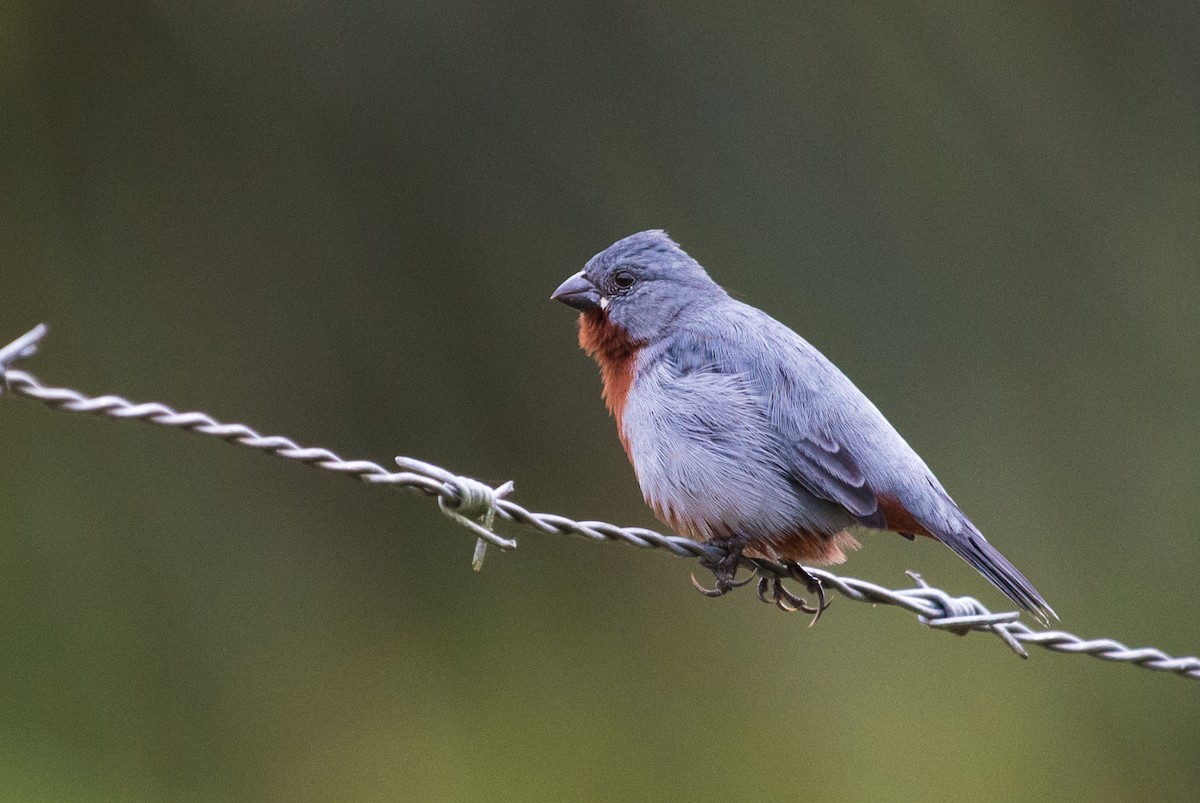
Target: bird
[(745, 436)]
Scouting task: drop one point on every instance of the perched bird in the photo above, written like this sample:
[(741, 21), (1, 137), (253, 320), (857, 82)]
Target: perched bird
[(742, 434)]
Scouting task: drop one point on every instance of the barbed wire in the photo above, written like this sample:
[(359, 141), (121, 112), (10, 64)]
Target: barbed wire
[(474, 505)]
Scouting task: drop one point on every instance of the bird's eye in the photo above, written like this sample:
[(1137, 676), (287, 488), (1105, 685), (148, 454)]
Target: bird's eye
[(624, 279)]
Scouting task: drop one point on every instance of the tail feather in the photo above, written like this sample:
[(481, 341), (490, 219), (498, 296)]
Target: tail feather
[(972, 547)]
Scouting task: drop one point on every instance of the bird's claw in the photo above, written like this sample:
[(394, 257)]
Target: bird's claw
[(771, 590), (789, 602), (724, 571), (708, 592), (813, 584)]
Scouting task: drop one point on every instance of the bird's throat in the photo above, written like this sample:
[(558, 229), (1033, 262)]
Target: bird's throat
[(616, 354)]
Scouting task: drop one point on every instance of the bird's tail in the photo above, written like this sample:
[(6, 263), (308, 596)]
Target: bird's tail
[(972, 547)]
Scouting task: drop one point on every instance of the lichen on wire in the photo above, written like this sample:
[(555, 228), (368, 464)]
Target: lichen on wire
[(475, 506)]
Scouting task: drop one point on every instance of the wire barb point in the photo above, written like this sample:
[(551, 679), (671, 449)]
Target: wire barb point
[(22, 348)]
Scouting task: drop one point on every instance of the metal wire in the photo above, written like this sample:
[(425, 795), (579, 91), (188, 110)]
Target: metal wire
[(473, 504)]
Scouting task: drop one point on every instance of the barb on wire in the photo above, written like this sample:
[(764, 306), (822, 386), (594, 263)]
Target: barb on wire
[(475, 501), (475, 506), (22, 348)]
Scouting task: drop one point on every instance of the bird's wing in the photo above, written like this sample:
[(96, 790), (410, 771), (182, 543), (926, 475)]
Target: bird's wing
[(826, 469)]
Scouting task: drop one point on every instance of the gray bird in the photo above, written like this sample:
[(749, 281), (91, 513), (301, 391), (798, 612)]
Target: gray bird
[(744, 435)]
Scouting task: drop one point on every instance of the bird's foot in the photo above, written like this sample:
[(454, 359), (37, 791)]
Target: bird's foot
[(724, 571), (772, 590)]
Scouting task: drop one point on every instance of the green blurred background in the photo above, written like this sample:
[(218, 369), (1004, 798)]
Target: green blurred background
[(341, 222)]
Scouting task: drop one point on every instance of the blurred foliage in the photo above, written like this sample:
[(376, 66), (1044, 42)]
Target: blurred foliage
[(341, 222)]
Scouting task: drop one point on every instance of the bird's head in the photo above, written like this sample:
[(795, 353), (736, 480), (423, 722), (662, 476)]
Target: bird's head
[(640, 284)]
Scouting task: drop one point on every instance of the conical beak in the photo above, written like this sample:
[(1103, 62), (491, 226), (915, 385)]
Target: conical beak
[(578, 292)]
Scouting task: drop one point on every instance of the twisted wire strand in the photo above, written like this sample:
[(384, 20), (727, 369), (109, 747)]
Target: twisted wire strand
[(473, 504)]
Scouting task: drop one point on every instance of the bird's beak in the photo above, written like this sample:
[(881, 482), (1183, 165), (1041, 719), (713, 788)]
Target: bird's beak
[(578, 292)]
